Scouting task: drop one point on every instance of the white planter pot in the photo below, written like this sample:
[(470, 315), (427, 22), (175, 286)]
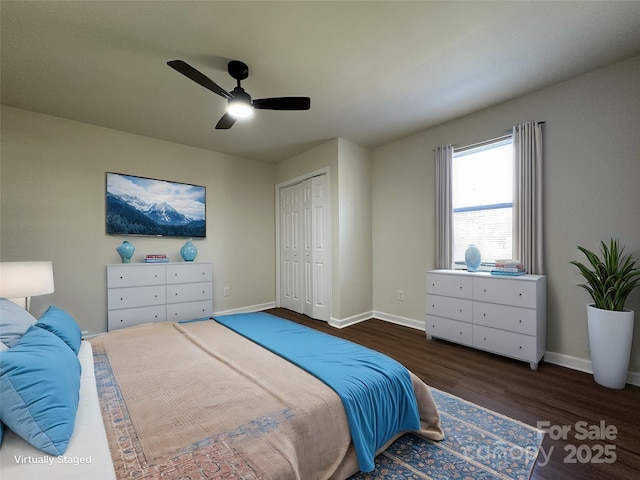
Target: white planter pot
[(610, 337)]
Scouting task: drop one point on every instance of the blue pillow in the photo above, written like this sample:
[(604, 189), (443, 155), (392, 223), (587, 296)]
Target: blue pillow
[(40, 389), (14, 321), (63, 325)]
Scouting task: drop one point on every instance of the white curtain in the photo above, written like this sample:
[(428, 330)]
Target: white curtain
[(443, 155), (527, 203)]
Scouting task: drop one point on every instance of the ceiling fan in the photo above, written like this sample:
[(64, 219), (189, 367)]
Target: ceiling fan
[(240, 103)]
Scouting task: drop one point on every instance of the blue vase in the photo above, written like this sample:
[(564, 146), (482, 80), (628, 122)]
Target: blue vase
[(125, 250), (472, 258), (188, 252)]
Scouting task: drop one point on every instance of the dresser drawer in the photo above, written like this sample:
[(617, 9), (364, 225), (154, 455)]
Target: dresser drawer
[(515, 319), (519, 293), (135, 275), (511, 344), (459, 332), (189, 272), (136, 297), (449, 307), (189, 292), (177, 312), (449, 285), (135, 316)]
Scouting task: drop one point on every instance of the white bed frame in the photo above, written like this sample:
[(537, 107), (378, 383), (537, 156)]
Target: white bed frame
[(86, 457)]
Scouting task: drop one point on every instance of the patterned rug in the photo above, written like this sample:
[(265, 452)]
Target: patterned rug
[(479, 443)]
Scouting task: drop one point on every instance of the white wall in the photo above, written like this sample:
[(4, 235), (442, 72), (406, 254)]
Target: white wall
[(53, 208), (355, 240), (52, 204), (591, 192)]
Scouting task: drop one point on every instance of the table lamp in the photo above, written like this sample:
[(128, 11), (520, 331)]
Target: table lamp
[(19, 281)]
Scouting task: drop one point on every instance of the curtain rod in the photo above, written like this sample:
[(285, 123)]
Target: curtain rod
[(483, 143), (539, 123), (506, 135)]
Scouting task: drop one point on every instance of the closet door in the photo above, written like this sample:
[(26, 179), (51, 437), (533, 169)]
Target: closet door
[(290, 248), (305, 254), (319, 253), (307, 247)]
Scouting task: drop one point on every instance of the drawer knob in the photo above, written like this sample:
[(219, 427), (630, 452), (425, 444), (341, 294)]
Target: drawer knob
[(460, 310), (485, 290), (484, 314), (520, 347), (519, 321), (485, 339), (121, 277), (460, 333), (519, 294), (460, 287)]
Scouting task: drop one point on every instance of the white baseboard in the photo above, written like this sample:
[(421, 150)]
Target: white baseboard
[(249, 309), (583, 365), (398, 320), (387, 317), (345, 322), (575, 363)]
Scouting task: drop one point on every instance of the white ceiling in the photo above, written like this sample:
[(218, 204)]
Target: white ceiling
[(375, 71)]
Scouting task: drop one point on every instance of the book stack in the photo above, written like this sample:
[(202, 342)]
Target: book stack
[(156, 258), (508, 267)]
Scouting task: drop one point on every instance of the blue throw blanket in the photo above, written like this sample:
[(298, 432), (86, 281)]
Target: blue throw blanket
[(376, 390)]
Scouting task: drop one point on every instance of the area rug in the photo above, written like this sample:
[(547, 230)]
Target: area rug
[(479, 443)]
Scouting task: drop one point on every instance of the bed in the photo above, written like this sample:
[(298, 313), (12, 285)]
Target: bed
[(87, 455), (217, 399)]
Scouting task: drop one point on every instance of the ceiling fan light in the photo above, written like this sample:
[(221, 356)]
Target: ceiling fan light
[(239, 109)]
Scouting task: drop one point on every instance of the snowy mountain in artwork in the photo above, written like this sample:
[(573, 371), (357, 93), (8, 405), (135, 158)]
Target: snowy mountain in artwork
[(128, 214), (165, 214)]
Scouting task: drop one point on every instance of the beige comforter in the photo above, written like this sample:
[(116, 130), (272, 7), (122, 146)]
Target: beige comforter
[(198, 399)]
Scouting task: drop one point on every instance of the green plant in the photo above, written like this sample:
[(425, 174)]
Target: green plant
[(613, 278)]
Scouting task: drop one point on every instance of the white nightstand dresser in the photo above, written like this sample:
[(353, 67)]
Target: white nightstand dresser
[(500, 314), (151, 292)]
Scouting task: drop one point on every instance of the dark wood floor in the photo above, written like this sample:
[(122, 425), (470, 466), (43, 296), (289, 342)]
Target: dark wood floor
[(561, 397)]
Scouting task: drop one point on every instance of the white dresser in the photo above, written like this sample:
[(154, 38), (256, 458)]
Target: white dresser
[(500, 314), (151, 292)]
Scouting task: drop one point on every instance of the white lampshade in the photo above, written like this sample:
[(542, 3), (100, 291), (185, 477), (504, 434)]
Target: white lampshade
[(25, 279)]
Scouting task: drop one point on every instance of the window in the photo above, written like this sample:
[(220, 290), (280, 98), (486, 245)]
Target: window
[(482, 196)]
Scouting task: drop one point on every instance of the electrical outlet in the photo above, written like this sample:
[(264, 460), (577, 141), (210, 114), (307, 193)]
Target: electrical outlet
[(225, 291), (400, 295)]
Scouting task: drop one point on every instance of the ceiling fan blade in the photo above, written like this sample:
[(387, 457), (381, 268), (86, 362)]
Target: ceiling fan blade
[(225, 122), (193, 74), (283, 103)]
